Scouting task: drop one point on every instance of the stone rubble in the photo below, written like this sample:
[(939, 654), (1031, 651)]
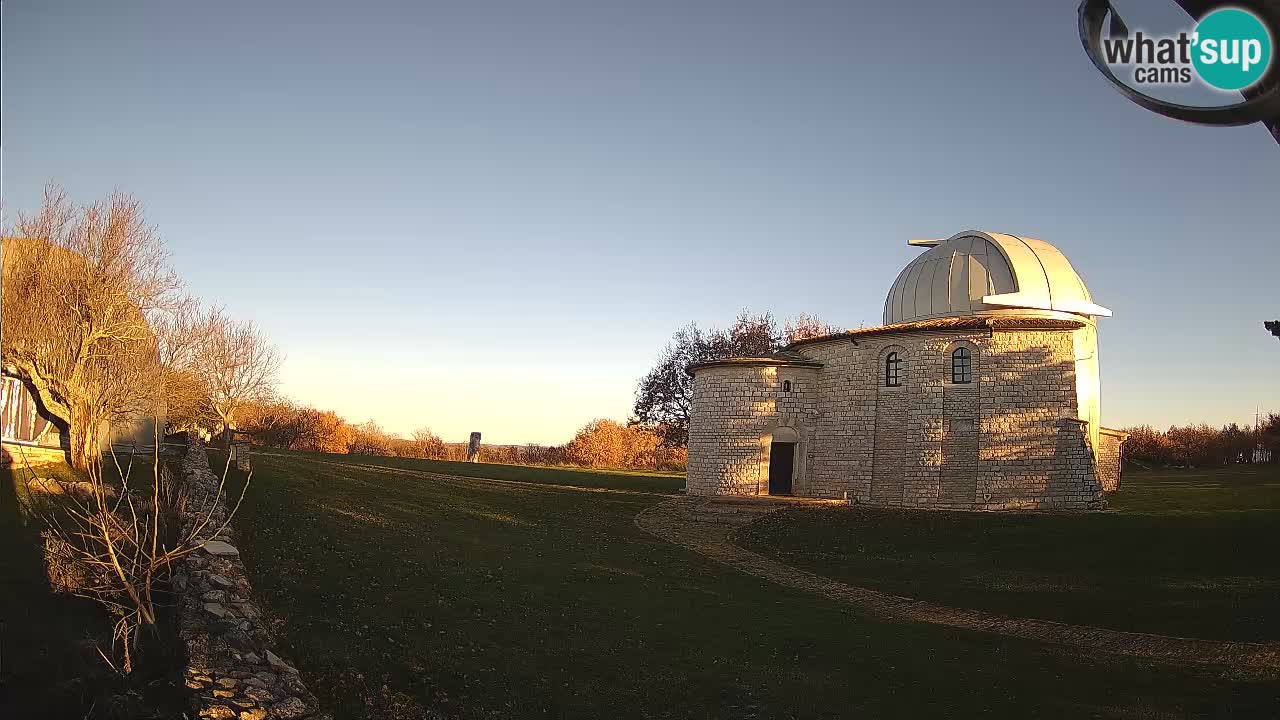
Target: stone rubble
[(231, 670)]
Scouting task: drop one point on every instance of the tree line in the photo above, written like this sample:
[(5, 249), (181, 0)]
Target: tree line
[(1204, 445), (601, 443)]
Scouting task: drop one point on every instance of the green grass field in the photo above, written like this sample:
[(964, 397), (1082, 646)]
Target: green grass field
[(398, 591), (1187, 553)]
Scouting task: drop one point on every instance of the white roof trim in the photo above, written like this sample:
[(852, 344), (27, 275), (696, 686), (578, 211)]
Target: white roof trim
[(1035, 301)]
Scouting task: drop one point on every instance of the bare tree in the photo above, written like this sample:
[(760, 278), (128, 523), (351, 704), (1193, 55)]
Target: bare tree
[(237, 363), (181, 333), (805, 326), (79, 285), (664, 397)]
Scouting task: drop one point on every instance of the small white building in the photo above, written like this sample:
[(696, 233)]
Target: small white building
[(979, 391)]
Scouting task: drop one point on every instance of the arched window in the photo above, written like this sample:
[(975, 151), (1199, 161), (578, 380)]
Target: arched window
[(961, 366), (786, 386), (892, 370)]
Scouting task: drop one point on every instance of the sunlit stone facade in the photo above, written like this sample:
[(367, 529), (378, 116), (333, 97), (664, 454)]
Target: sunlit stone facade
[(953, 403)]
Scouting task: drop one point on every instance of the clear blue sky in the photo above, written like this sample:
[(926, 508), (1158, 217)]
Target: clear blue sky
[(491, 216)]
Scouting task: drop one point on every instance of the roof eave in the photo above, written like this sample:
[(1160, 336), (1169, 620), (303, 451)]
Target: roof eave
[(945, 324), (752, 362)]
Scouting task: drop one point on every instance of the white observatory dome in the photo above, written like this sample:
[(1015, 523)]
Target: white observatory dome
[(981, 273)]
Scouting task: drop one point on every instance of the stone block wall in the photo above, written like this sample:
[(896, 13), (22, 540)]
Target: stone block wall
[(889, 446), (232, 672), (1032, 439), (1011, 439), (886, 445), (17, 455), (1110, 458), (738, 407), (961, 439), (734, 405)]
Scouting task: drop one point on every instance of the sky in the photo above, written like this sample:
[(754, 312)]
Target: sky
[(492, 216)]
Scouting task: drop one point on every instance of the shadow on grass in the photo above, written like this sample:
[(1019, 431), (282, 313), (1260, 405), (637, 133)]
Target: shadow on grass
[(50, 664), (47, 639), (1189, 555)]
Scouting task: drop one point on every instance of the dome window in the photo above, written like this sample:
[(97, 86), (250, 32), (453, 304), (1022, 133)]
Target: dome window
[(961, 366), (893, 370)]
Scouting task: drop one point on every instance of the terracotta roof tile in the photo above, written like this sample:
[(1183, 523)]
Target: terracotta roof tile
[(971, 322), (782, 358)]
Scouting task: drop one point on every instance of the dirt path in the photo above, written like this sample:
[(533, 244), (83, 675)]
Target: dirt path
[(707, 526)]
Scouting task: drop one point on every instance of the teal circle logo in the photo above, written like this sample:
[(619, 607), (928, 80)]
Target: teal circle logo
[(1232, 49)]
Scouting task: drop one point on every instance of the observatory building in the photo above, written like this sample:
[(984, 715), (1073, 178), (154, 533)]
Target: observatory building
[(980, 391)]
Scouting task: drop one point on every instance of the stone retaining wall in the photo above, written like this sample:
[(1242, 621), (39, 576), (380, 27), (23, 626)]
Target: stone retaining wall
[(18, 455), (231, 670)]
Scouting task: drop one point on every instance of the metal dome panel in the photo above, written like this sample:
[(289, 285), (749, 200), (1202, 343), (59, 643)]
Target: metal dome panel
[(976, 272)]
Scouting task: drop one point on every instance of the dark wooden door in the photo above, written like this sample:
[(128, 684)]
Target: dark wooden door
[(781, 461)]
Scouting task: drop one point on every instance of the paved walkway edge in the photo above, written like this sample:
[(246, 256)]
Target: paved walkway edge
[(708, 526)]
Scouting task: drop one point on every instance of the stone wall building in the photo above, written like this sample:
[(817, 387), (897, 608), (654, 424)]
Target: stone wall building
[(979, 391)]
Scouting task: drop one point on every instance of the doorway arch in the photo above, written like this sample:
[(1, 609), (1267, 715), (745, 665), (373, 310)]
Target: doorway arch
[(782, 460)]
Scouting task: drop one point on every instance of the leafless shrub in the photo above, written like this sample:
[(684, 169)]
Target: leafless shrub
[(62, 565), (805, 326), (113, 547)]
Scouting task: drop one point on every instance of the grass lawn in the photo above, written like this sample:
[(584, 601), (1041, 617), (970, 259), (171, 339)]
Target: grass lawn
[(1188, 553), (658, 482), (397, 591)]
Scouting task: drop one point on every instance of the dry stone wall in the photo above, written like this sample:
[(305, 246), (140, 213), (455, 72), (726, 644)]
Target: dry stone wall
[(232, 672), (1010, 439)]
